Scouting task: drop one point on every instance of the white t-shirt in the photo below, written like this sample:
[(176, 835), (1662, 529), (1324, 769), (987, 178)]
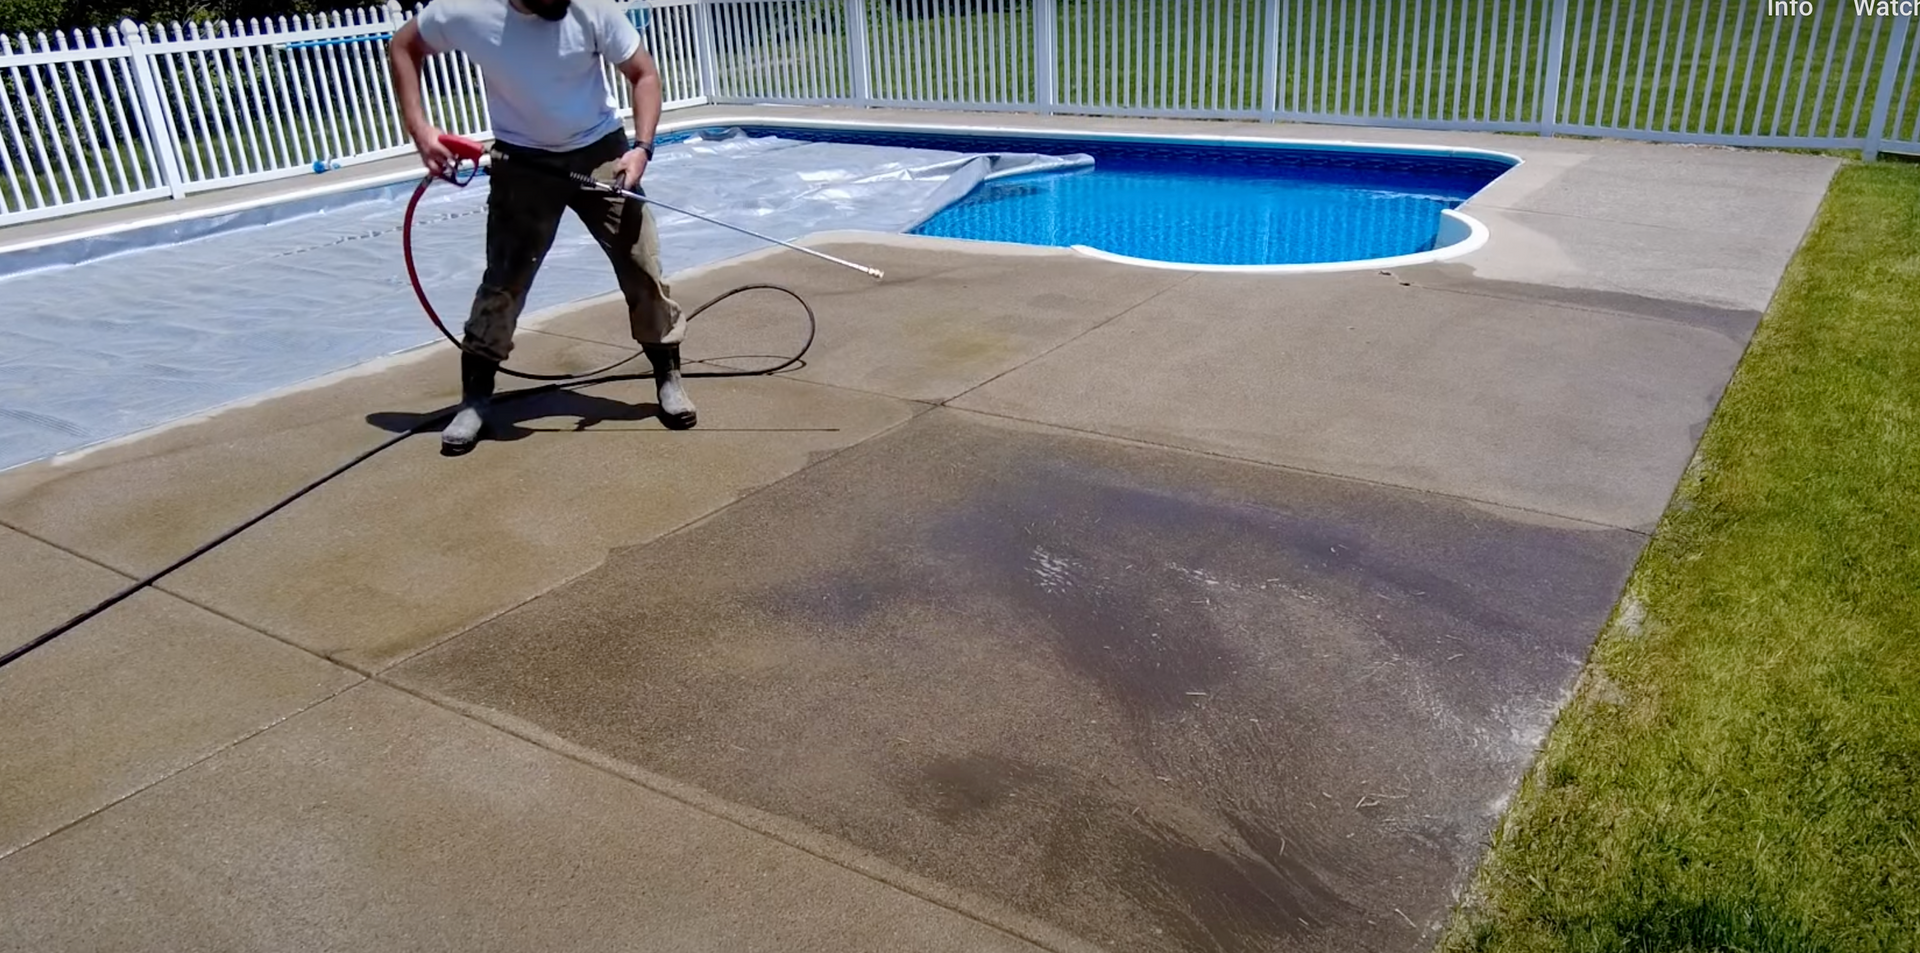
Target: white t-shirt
[(544, 85)]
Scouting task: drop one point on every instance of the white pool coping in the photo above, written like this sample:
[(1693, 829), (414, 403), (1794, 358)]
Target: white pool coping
[(1471, 235), (1460, 234)]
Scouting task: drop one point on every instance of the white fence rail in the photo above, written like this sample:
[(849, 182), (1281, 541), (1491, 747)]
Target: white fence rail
[(98, 118)]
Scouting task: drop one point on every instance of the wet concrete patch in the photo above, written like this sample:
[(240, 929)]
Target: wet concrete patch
[(1160, 700)]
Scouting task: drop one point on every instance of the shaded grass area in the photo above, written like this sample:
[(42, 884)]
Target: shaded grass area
[(1741, 767)]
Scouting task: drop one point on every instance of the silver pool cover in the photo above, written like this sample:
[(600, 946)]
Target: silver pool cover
[(107, 336)]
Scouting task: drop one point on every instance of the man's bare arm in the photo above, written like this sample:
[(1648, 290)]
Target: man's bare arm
[(643, 77), (406, 52)]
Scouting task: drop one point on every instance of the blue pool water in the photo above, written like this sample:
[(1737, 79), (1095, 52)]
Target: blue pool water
[(1202, 203)]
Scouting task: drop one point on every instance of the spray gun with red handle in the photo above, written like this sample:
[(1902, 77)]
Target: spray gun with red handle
[(463, 149)]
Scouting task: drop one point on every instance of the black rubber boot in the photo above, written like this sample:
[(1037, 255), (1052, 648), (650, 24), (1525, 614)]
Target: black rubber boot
[(676, 408), (476, 394)]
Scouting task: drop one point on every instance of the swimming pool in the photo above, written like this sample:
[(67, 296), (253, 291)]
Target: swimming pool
[(1218, 205)]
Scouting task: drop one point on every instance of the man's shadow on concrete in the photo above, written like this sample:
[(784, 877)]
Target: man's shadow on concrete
[(588, 413), (507, 413)]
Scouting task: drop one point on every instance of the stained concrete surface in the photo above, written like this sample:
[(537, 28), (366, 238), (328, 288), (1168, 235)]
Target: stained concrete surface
[(413, 547), (1575, 411), (138, 505), (379, 822), (946, 318), (1162, 701), (946, 650), (1568, 401), (132, 696), (507, 522)]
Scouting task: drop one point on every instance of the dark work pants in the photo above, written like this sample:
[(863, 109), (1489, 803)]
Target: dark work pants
[(524, 206)]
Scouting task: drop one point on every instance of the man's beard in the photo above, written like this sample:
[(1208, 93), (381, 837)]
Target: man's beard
[(549, 9)]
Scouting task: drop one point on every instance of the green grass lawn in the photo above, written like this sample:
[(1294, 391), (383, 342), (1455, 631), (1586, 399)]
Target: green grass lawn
[(1740, 770)]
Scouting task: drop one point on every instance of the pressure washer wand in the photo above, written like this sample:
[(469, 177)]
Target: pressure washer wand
[(468, 149), (588, 182)]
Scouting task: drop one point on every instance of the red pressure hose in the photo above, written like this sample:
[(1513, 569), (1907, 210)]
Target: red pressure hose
[(460, 150), (467, 151)]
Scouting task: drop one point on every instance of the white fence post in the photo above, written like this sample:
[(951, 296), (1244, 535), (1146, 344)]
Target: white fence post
[(1046, 71), (156, 123), (703, 31), (1550, 90), (392, 18), (1270, 66), (858, 72), (1883, 97)]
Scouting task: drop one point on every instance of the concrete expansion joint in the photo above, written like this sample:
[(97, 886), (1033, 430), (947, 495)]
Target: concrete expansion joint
[(182, 768), (1307, 471), (1578, 307), (1042, 354), (83, 557), (161, 587)]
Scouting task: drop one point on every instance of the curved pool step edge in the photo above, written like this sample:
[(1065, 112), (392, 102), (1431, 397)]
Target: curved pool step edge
[(1459, 234)]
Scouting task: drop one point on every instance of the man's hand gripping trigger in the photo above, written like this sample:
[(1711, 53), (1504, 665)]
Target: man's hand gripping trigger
[(464, 150)]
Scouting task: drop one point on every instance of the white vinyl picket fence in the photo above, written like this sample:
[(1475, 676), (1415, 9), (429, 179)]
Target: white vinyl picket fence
[(98, 118)]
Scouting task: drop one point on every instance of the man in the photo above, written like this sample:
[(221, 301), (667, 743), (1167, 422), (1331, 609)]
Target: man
[(541, 63)]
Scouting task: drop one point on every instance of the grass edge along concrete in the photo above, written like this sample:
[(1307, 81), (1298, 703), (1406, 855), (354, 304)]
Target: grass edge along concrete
[(1736, 768)]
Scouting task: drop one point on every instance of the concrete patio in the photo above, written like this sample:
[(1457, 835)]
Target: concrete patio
[(1053, 604)]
